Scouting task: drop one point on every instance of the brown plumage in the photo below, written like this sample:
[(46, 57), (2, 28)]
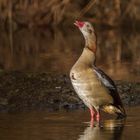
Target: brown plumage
[(93, 86)]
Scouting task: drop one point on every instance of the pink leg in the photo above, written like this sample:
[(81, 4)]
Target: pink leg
[(92, 113), (98, 116)]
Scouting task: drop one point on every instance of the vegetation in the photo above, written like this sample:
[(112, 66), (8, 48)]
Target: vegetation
[(53, 12)]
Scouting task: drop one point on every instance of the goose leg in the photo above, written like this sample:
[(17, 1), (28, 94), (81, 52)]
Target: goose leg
[(98, 117), (92, 113)]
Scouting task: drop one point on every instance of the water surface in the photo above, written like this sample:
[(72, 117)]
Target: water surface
[(56, 50), (68, 125)]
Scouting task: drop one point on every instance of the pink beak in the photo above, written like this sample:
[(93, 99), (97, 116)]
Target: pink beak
[(79, 24)]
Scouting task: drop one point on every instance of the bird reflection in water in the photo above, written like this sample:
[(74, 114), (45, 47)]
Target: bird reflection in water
[(107, 130)]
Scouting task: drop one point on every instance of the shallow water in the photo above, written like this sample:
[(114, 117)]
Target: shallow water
[(56, 50), (68, 125)]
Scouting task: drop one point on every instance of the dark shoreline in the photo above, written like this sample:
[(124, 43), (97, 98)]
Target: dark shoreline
[(21, 91)]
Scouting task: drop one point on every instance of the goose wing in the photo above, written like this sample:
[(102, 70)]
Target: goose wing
[(109, 84)]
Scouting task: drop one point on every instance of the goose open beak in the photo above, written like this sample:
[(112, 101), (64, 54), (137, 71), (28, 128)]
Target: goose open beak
[(79, 24)]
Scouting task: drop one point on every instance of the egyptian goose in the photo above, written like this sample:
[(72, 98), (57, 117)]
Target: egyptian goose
[(93, 86)]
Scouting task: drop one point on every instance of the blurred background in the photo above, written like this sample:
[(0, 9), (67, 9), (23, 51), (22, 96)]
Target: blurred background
[(39, 35), (38, 46)]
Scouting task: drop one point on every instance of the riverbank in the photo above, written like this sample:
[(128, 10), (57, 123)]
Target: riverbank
[(39, 91)]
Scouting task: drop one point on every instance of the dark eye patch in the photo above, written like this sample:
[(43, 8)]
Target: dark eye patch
[(90, 31)]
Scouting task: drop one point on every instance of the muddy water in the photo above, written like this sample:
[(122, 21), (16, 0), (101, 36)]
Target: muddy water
[(56, 50), (71, 125)]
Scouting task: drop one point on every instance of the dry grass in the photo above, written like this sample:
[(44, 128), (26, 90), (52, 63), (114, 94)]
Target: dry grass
[(54, 12)]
